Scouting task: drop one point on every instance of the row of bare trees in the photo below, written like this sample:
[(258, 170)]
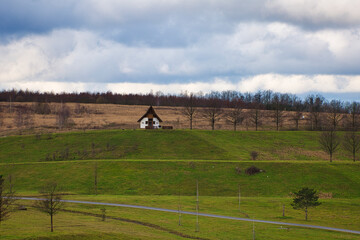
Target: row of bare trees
[(330, 142), (235, 113), (24, 115)]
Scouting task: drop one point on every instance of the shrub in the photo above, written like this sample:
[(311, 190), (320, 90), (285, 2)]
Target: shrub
[(254, 155), (253, 170), (79, 109), (38, 136), (41, 108)]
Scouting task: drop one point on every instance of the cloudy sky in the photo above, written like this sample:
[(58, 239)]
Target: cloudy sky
[(295, 46)]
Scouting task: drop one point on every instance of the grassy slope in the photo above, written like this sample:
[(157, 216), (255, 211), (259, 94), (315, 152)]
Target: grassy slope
[(179, 144), (141, 177), (75, 226), (165, 178)]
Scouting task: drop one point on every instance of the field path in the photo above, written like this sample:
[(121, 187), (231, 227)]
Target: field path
[(201, 214)]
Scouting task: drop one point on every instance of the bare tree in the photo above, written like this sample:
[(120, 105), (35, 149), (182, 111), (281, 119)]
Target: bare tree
[(51, 203), (255, 116), (23, 117), (329, 142), (235, 115), (351, 143), (214, 111), (316, 120), (63, 115), (6, 201), (190, 109), (297, 115), (278, 113), (354, 110), (315, 106), (334, 115)]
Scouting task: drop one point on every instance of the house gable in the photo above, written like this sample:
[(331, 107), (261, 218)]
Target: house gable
[(150, 114)]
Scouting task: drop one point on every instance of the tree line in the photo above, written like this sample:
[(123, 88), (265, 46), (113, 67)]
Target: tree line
[(233, 106), (266, 100)]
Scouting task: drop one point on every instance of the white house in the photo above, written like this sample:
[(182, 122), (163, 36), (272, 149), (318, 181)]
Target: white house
[(150, 119)]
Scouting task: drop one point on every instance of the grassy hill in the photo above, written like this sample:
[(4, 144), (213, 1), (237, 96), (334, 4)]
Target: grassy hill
[(166, 178), (179, 144), (152, 167), (140, 162)]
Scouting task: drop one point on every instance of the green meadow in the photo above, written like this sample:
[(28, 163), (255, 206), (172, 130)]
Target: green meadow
[(84, 221), (158, 144), (278, 179), (157, 168)]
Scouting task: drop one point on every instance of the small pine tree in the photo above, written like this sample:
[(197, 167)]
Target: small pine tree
[(304, 199)]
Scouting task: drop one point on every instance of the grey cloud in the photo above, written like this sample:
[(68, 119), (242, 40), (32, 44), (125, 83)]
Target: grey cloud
[(316, 14), (68, 55), (168, 23), (173, 41)]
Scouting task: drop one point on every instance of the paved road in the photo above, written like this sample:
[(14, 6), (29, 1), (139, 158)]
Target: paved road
[(203, 214)]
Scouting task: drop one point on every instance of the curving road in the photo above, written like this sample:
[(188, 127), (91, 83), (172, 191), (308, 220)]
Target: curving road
[(201, 214)]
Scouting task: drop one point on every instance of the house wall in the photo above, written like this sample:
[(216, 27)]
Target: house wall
[(156, 122)]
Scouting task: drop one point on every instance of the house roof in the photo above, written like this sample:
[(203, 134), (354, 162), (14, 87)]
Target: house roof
[(150, 111)]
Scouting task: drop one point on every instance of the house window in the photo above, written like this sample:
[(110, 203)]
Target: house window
[(146, 122)]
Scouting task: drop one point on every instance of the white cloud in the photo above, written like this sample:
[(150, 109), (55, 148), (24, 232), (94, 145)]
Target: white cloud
[(164, 68), (301, 83), (125, 68), (279, 56), (297, 84)]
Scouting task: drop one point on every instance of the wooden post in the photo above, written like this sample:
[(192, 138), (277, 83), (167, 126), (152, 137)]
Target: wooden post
[(95, 178), (103, 214), (253, 230), (239, 197), (10, 183), (197, 206), (93, 149), (283, 210), (179, 208)]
